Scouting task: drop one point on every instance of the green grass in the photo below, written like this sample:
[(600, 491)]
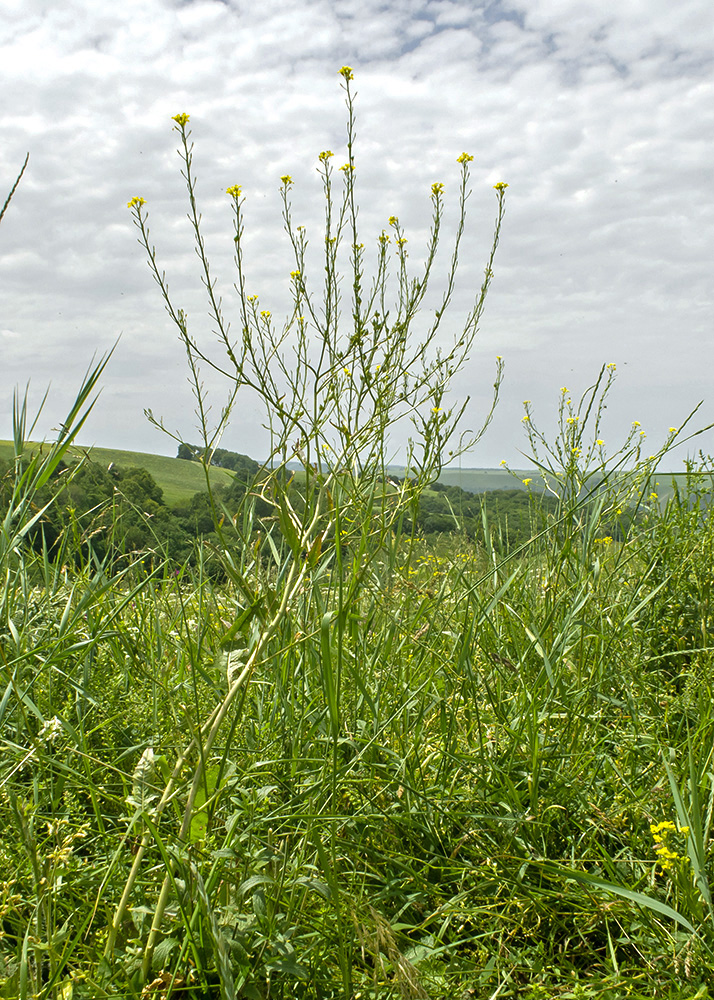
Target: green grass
[(446, 791)]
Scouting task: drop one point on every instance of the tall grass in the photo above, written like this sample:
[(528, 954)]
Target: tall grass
[(360, 765)]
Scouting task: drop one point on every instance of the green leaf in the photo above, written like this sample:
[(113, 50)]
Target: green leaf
[(640, 898)]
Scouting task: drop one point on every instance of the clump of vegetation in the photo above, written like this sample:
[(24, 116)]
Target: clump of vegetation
[(357, 762)]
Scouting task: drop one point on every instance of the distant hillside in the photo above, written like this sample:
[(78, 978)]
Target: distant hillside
[(178, 478)]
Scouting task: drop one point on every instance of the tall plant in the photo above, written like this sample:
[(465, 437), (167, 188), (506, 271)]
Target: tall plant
[(334, 379)]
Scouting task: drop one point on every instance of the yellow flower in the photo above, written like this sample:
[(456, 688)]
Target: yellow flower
[(526, 481), (402, 241), (501, 186), (611, 367), (673, 430), (325, 155), (181, 119), (136, 202), (347, 166), (346, 371), (526, 419), (654, 496), (464, 158), (393, 220), (636, 423), (436, 409), (346, 71), (234, 190), (572, 420), (437, 189), (265, 313), (564, 390), (295, 275), (600, 442), (286, 180), (503, 461)]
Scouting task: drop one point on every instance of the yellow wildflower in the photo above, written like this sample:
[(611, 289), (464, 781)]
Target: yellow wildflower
[(437, 189), (286, 180), (393, 220), (136, 202), (325, 155), (526, 481), (600, 442), (346, 71), (234, 190), (464, 158), (501, 186), (347, 166)]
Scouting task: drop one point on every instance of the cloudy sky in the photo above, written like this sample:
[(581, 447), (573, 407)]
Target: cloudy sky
[(600, 117)]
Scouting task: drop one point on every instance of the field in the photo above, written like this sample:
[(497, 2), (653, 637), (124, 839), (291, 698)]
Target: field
[(373, 769)]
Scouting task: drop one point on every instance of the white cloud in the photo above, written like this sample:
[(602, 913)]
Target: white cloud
[(599, 117)]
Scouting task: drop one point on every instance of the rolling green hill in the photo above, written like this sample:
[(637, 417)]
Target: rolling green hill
[(177, 478)]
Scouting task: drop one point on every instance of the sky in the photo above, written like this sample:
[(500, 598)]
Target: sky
[(600, 117)]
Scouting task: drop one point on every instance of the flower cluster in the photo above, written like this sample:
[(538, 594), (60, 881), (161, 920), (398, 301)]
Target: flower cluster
[(181, 120), (234, 190), (662, 834), (136, 202)]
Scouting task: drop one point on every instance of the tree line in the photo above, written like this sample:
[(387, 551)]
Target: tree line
[(116, 512)]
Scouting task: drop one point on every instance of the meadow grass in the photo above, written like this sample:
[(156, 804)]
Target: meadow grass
[(461, 787), (328, 759)]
